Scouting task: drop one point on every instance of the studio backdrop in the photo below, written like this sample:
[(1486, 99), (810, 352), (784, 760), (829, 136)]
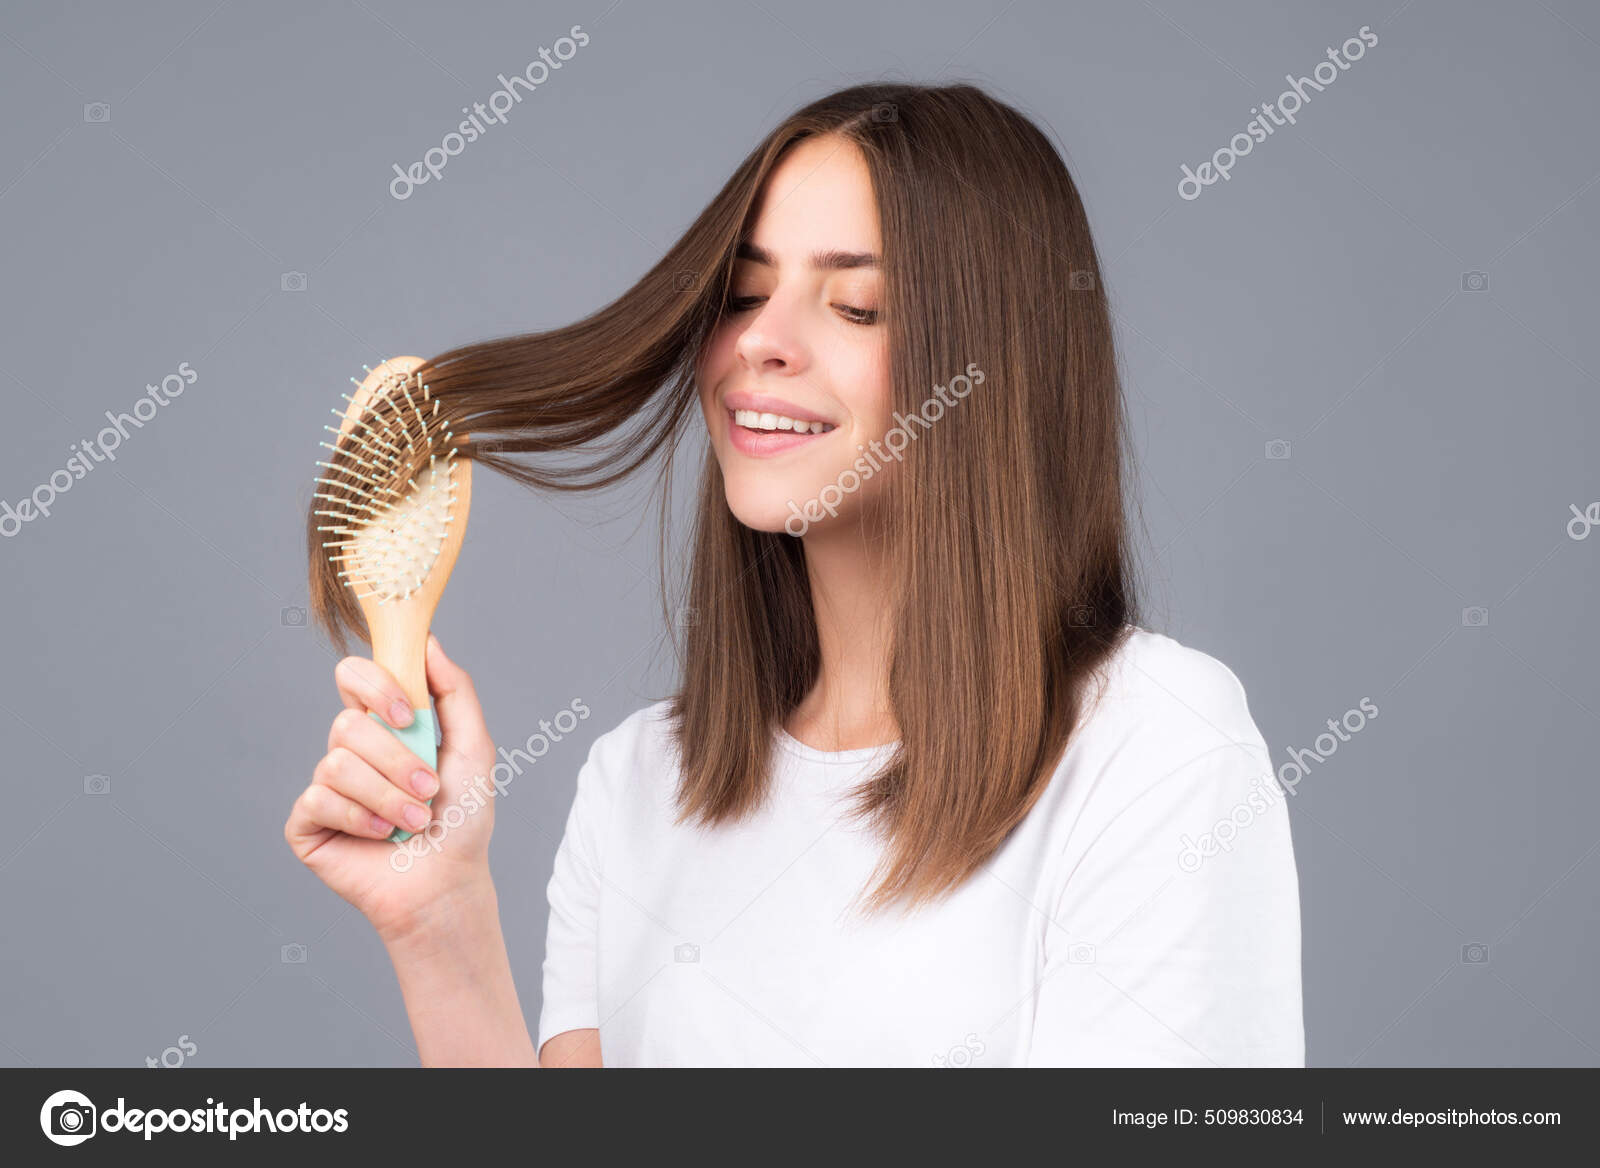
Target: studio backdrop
[(1359, 358)]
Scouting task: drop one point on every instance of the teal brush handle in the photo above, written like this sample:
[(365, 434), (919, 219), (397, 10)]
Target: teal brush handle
[(418, 738)]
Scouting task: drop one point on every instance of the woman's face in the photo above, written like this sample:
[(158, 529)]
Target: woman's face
[(794, 383)]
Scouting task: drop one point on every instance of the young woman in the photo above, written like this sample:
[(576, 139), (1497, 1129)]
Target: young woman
[(927, 795)]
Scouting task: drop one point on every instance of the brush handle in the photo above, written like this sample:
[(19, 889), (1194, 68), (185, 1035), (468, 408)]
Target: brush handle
[(417, 738), (400, 645)]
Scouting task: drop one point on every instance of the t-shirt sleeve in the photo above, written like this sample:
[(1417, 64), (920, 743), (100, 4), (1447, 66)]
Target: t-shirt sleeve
[(1175, 940), (570, 999)]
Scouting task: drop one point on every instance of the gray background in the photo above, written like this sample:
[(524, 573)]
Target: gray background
[(1438, 436)]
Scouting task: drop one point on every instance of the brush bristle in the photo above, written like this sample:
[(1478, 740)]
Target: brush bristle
[(389, 490)]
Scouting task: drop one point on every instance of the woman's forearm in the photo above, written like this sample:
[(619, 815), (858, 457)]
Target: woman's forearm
[(459, 993)]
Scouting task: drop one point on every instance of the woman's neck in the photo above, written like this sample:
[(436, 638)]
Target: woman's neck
[(848, 707)]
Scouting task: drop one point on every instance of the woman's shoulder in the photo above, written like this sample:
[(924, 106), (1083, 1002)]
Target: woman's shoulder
[(1160, 710), (1153, 682), (641, 742)]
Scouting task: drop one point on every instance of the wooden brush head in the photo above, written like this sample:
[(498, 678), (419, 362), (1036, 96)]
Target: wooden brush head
[(394, 500)]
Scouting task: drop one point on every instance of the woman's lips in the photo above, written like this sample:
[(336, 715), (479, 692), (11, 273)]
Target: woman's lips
[(765, 443)]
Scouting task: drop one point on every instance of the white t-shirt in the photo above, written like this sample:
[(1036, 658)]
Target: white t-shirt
[(1145, 912)]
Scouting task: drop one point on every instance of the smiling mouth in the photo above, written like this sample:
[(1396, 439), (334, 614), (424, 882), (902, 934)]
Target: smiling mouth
[(758, 422), (758, 434)]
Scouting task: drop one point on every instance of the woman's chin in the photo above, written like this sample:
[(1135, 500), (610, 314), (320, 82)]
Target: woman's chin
[(768, 515), (767, 512)]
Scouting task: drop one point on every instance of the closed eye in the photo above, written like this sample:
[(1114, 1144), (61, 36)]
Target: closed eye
[(862, 316)]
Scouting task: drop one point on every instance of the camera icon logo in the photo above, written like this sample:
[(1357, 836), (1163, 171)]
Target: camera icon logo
[(97, 784), (684, 954), (293, 617), (97, 111), (686, 281), (1475, 617), (1475, 954), (292, 955), (1474, 281), (292, 282), (1080, 281), (885, 111), (1080, 954), (67, 1118), (1278, 448)]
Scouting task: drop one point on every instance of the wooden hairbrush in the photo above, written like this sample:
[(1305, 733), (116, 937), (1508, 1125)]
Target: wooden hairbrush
[(395, 498)]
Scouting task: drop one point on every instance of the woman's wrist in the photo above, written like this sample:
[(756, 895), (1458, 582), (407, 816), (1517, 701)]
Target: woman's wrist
[(441, 915), (455, 977)]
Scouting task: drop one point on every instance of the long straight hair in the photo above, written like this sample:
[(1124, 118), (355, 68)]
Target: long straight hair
[(1013, 581)]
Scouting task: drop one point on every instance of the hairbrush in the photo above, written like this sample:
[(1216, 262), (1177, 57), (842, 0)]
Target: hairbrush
[(395, 498)]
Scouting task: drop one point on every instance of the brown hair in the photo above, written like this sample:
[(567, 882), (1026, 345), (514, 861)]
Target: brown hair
[(1005, 520)]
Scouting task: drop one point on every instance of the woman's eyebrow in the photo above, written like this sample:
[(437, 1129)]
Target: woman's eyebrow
[(836, 261)]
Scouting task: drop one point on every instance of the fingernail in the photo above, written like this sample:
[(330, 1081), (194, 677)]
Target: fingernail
[(424, 783), (381, 826), (400, 713), (416, 817)]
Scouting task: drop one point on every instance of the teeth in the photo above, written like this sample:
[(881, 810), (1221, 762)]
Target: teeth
[(755, 420)]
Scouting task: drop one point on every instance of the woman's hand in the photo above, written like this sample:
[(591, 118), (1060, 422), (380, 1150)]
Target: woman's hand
[(366, 785)]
